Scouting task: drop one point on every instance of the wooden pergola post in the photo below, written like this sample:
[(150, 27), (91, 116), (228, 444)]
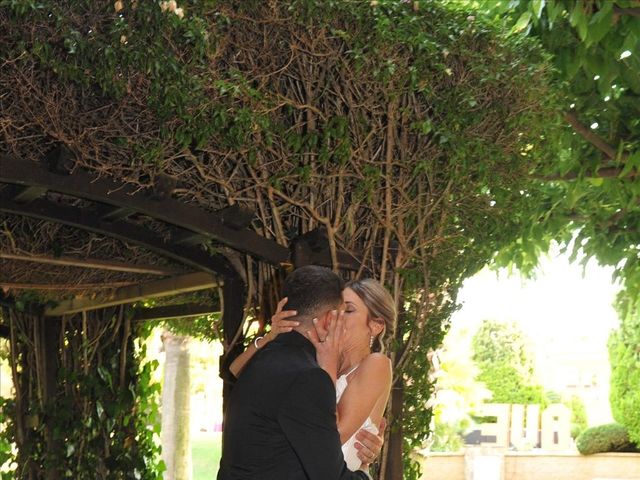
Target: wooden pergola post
[(234, 294), (50, 330)]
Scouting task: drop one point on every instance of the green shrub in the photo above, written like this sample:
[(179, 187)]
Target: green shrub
[(578, 415), (611, 437)]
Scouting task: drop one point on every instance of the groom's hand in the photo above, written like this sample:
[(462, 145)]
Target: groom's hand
[(370, 445)]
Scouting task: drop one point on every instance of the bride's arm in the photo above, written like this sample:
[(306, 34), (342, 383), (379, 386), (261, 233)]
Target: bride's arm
[(368, 387), (279, 324), (241, 360)]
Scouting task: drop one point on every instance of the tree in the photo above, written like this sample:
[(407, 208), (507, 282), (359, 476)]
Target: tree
[(624, 355), (591, 187), (457, 393), (505, 364), (176, 408)]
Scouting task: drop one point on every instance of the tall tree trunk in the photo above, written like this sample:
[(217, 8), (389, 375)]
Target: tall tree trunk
[(176, 408)]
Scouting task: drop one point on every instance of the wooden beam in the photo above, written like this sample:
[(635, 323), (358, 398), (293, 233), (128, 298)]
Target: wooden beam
[(28, 194), (91, 263), (85, 219), (182, 236), (63, 286), (60, 160), (161, 288), (175, 311), (107, 212), (316, 239), (237, 217), (312, 248), (102, 189)]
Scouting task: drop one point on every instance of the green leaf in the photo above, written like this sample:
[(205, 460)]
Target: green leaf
[(569, 62), (578, 19), (630, 43), (596, 181), (536, 7), (596, 65), (553, 10), (600, 24), (632, 162), (632, 79), (522, 23)]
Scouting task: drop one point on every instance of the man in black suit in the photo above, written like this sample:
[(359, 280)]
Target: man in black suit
[(281, 419)]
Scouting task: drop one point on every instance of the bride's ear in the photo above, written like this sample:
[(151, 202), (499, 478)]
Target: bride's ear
[(376, 326)]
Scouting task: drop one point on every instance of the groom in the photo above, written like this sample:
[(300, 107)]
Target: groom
[(281, 419)]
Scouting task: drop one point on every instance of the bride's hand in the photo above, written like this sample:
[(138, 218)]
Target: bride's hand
[(279, 322), (369, 445), (328, 343)]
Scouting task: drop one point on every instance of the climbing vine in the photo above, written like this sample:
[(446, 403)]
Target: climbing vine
[(405, 131), (90, 415)]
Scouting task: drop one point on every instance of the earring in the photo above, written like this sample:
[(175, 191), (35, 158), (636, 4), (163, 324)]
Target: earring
[(371, 341)]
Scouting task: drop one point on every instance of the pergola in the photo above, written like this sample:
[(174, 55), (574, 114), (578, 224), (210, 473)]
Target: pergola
[(205, 159), (47, 191), (197, 251)]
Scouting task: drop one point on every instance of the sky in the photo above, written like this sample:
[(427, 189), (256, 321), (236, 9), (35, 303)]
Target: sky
[(560, 302)]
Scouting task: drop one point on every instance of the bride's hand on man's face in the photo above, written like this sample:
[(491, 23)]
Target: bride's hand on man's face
[(328, 342), (279, 322)]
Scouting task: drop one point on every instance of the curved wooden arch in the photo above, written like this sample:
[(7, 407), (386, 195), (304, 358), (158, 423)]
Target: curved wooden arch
[(122, 200), (115, 201), (233, 287), (85, 219)]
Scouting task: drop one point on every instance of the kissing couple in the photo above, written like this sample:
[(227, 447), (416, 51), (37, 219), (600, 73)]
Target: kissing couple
[(310, 396)]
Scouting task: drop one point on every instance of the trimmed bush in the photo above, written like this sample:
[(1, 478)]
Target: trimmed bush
[(611, 437)]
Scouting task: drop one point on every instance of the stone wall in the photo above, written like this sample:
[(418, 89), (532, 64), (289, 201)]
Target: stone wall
[(495, 465)]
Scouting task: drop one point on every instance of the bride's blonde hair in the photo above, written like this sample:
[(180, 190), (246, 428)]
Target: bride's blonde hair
[(380, 304)]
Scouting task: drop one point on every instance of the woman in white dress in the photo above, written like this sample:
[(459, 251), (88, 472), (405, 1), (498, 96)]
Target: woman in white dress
[(363, 379)]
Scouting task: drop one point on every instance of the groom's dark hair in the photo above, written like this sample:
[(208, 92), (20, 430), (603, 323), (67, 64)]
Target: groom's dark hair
[(311, 289)]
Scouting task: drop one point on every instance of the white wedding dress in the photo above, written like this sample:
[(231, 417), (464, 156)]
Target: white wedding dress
[(348, 448)]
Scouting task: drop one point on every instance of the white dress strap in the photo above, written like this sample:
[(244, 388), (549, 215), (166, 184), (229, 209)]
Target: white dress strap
[(341, 383), (351, 371)]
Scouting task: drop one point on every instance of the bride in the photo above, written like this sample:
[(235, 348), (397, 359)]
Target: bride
[(363, 376)]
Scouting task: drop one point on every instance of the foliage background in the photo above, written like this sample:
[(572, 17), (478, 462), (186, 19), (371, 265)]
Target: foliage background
[(505, 364), (592, 189), (410, 132)]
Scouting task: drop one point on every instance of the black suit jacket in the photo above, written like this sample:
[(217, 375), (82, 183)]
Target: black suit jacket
[(281, 419)]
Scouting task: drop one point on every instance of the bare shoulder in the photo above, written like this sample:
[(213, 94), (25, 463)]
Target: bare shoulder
[(377, 358), (376, 364)]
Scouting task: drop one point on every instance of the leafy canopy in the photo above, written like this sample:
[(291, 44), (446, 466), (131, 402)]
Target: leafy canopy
[(592, 188)]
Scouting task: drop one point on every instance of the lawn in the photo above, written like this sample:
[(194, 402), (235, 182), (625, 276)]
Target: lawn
[(205, 451)]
